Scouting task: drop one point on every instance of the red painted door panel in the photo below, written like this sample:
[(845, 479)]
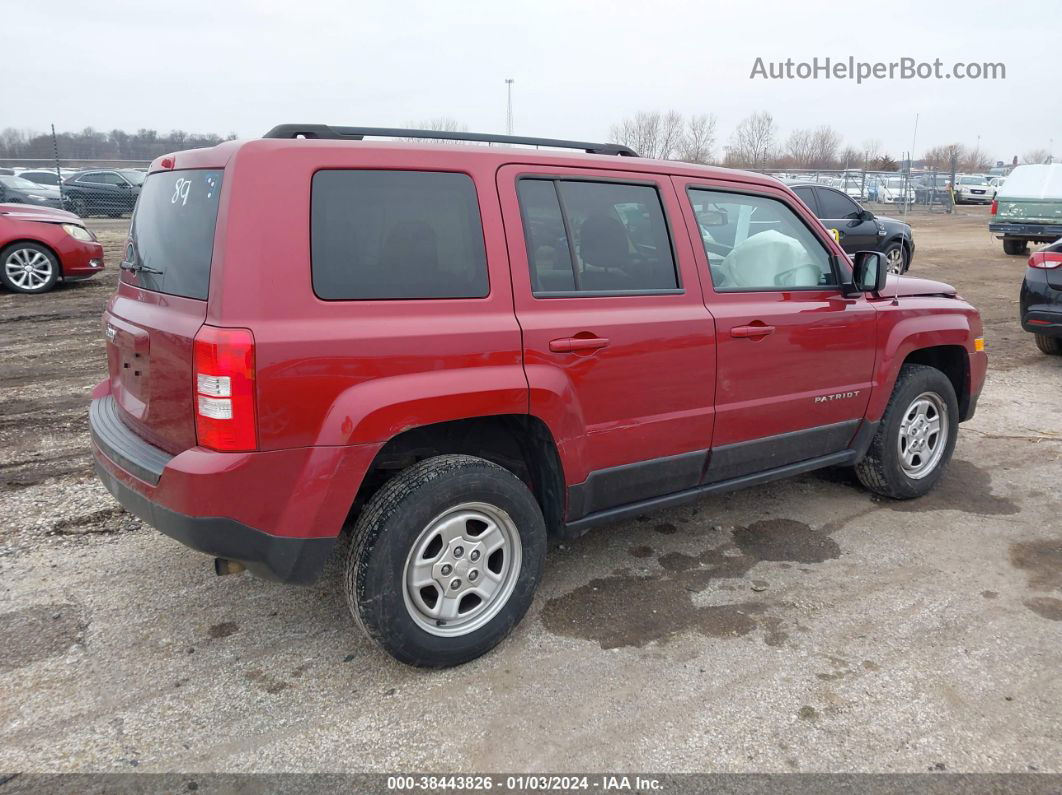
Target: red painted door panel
[(619, 378), (789, 359)]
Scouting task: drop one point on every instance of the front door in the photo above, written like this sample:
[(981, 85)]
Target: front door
[(619, 348), (854, 231), (796, 356)]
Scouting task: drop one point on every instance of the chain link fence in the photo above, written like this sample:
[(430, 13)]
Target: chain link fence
[(916, 189), (85, 187)]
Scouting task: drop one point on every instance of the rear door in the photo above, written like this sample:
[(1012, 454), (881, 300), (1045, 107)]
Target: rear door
[(838, 211), (618, 345), (161, 302), (795, 355)]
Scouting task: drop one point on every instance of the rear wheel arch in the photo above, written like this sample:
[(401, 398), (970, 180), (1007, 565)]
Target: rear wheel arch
[(520, 443)]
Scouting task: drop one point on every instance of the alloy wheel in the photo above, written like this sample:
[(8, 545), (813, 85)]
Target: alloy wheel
[(28, 269)]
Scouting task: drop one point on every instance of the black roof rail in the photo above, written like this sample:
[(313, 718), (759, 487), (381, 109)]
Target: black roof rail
[(358, 133)]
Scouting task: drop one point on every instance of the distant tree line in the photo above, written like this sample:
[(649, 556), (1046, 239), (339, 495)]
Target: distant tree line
[(92, 144), (758, 143)]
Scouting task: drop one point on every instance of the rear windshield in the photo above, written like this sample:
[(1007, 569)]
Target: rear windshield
[(172, 233)]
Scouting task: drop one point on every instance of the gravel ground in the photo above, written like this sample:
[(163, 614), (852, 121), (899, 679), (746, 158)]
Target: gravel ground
[(802, 625)]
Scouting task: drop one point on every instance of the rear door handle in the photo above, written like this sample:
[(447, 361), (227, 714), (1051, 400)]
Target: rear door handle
[(751, 331), (571, 344)]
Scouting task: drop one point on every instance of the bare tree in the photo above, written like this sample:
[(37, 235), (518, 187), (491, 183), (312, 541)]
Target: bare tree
[(439, 124), (752, 144), (941, 157), (825, 143), (650, 133), (697, 141), (871, 149), (975, 161), (1037, 156), (800, 148)]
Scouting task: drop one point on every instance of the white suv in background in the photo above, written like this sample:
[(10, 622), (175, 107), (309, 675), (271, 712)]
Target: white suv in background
[(973, 189)]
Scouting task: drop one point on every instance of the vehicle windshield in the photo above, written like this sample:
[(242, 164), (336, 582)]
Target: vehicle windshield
[(18, 183), (136, 177), (972, 181)]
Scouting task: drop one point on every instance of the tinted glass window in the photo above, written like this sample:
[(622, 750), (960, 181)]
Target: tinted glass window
[(807, 195), (596, 236), (94, 178), (756, 243), (547, 243), (834, 204), (172, 232), (42, 178), (396, 234)]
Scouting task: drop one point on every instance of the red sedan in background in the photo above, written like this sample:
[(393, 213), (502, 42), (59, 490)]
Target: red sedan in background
[(40, 246)]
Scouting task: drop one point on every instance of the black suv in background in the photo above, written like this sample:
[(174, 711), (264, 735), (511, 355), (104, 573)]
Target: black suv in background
[(110, 192), (858, 229), (1041, 298)]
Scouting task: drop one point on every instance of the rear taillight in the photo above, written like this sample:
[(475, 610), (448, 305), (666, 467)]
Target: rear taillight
[(1046, 260), (224, 389), (995, 206)]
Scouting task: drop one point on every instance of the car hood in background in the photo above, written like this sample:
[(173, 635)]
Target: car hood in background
[(901, 286), (27, 212)]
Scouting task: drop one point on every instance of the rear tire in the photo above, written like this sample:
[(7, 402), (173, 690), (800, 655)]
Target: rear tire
[(1013, 245), (445, 559), (906, 457), (1049, 345)]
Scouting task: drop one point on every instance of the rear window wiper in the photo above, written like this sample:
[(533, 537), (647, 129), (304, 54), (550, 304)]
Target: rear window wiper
[(133, 267)]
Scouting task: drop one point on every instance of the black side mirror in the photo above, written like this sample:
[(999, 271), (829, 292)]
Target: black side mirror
[(868, 272), (866, 215)]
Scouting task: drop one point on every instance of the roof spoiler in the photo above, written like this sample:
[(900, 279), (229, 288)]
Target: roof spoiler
[(325, 131)]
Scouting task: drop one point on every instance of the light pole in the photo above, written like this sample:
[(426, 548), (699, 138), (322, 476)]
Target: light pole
[(509, 106)]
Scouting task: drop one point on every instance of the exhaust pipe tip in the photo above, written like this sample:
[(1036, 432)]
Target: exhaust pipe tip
[(223, 566)]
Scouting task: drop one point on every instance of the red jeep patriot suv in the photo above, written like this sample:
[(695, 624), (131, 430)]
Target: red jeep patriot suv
[(459, 351)]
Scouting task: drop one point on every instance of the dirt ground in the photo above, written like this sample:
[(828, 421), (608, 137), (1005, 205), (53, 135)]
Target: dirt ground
[(802, 625)]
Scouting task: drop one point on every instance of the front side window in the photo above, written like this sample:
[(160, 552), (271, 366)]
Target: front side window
[(757, 243), (807, 195), (835, 204), (595, 237), (396, 235)]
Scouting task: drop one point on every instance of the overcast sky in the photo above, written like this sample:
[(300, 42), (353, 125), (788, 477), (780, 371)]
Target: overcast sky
[(244, 65)]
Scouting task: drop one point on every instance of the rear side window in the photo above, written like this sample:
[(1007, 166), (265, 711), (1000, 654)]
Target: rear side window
[(172, 232), (396, 235), (595, 237)]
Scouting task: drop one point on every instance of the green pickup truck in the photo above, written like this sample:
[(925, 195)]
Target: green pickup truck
[(1028, 208)]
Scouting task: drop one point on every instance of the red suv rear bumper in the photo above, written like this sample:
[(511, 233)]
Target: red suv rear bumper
[(278, 512)]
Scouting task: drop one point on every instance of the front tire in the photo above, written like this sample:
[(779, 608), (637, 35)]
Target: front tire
[(445, 560), (1015, 246), (28, 268), (916, 436), (1052, 346)]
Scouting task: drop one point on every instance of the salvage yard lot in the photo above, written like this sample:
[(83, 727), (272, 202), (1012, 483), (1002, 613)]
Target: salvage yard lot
[(801, 625)]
